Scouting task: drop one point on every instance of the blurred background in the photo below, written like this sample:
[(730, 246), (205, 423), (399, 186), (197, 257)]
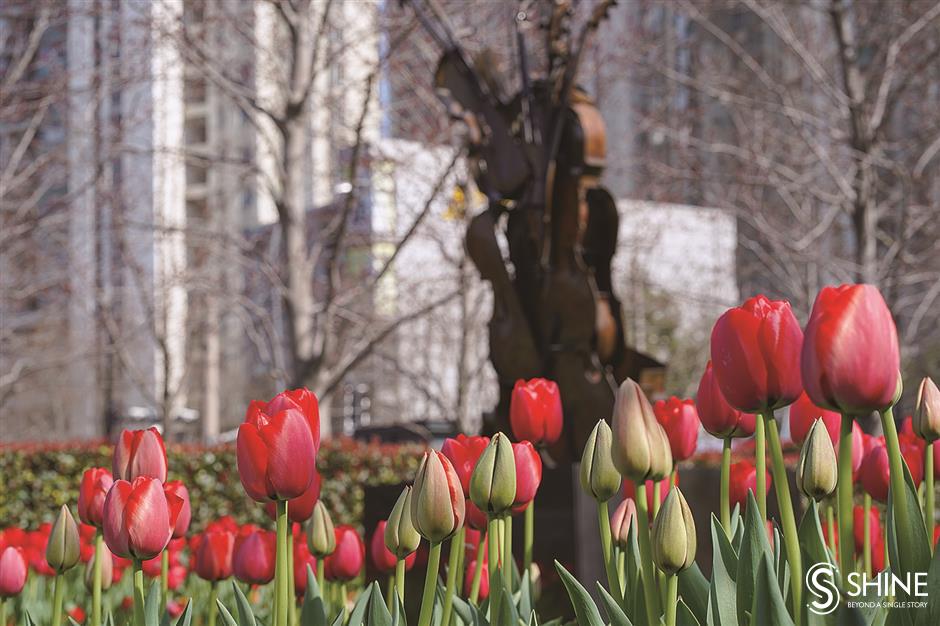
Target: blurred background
[(203, 202)]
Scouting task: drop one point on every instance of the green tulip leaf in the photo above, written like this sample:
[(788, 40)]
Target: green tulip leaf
[(152, 607), (358, 613), (931, 615), (227, 618), (915, 532), (313, 612), (769, 608), (378, 613), (245, 615), (754, 548), (685, 616), (693, 588), (524, 602), (614, 613), (584, 607), (186, 617), (722, 591)]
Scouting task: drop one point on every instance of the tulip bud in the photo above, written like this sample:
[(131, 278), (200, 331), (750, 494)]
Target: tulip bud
[(673, 534), (13, 572), (401, 538), (640, 447), (493, 483), (818, 472), (927, 414), (624, 517), (63, 548), (599, 477), (321, 538), (107, 572), (437, 504)]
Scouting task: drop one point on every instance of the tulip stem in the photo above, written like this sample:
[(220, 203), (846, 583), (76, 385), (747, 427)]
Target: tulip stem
[(493, 545), (831, 527), (430, 585), (613, 581), (726, 486), (787, 517), (213, 602), (930, 496), (57, 601), (651, 595), (281, 567), (866, 551), (3, 611), (672, 598), (400, 579), (164, 575), (139, 593), (390, 591), (292, 602), (898, 498), (507, 552), (760, 460), (321, 579), (96, 582), (528, 536), (478, 569), (453, 560)]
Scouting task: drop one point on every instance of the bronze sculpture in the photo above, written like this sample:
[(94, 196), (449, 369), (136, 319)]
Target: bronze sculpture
[(538, 157)]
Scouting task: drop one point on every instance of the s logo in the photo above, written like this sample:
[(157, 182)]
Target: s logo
[(820, 580)]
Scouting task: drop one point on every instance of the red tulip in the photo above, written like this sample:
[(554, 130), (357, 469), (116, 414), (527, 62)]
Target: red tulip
[(528, 474), (679, 419), (212, 560), (463, 453), (300, 509), (151, 567), (13, 571), (302, 558), (874, 473), (913, 455), (77, 613), (382, 558), (535, 411), (254, 557), (475, 518), (850, 357), (743, 478), (802, 415), (178, 489), (139, 453), (302, 399), (347, 560), (139, 517), (858, 514), (717, 416), (484, 580), (755, 350), (96, 482), (276, 455)]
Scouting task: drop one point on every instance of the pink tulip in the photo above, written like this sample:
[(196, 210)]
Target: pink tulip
[(178, 489), (13, 571), (140, 453), (139, 518)]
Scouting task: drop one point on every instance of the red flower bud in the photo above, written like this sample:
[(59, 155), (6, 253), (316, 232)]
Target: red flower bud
[(743, 478), (528, 474), (755, 350), (139, 517), (276, 454), (254, 557), (850, 356), (464, 452), (302, 559), (212, 559), (178, 489), (347, 560), (139, 453), (717, 416), (476, 518), (802, 415), (96, 482), (535, 411), (13, 571), (874, 473), (382, 558), (679, 419)]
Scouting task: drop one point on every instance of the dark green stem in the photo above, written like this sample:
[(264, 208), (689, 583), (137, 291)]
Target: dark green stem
[(430, 584), (648, 570), (791, 538), (760, 461), (453, 560), (726, 486), (899, 502), (528, 536), (213, 602)]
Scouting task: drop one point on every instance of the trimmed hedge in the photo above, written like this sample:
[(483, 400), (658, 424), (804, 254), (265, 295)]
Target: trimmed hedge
[(36, 479)]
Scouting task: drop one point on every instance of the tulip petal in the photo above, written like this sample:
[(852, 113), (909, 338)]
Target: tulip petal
[(252, 462), (115, 529), (147, 518), (292, 458)]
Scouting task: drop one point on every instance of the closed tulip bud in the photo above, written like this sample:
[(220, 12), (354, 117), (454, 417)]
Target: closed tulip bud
[(528, 474), (640, 447), (383, 558), (673, 534), (846, 323), (874, 474), (535, 411), (139, 518), (96, 482), (818, 472), (321, 538), (213, 557), (401, 537), (437, 504), (927, 413), (717, 416), (679, 419), (599, 478), (63, 548), (107, 572), (624, 517), (493, 483), (347, 560), (139, 453), (13, 571), (254, 558), (275, 454), (743, 478)]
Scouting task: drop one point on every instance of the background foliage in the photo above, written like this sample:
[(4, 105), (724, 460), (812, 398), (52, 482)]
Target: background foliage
[(36, 479)]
